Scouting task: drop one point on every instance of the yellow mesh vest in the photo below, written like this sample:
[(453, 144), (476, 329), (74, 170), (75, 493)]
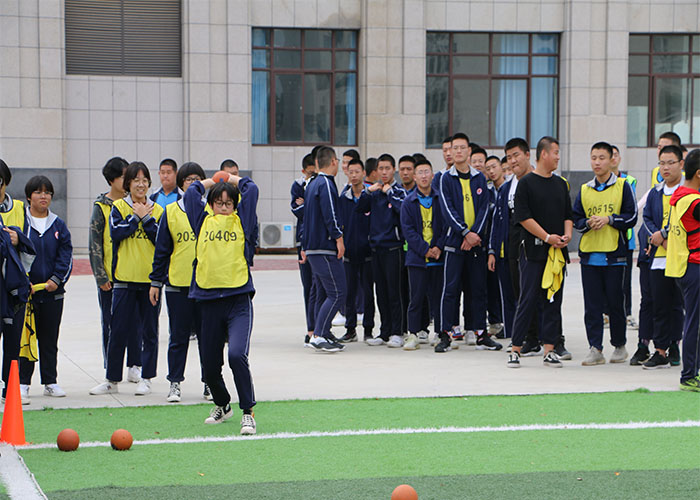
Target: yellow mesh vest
[(427, 217), (661, 251), (677, 252), (603, 203), (655, 177), (106, 240), (180, 270), (468, 202), (135, 253), (220, 253), (15, 217)]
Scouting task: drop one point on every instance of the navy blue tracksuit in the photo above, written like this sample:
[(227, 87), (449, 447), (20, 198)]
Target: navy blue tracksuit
[(646, 311), (298, 191)]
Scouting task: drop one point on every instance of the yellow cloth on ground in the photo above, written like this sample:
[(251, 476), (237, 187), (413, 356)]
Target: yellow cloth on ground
[(553, 275), (28, 346)]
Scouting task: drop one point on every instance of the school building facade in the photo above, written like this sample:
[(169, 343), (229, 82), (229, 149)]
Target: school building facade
[(262, 81)]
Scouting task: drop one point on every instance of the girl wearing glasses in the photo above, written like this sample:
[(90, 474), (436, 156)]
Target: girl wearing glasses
[(48, 274), (133, 226), (222, 284)]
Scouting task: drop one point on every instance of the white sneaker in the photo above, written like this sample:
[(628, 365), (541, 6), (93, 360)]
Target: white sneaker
[(374, 341), (219, 414), (134, 374), (470, 338), (105, 388), (619, 355), (434, 338), (54, 391), (411, 343), (423, 337), (247, 425), (395, 341), (143, 387), (339, 320), (174, 395), (594, 357), (24, 393)]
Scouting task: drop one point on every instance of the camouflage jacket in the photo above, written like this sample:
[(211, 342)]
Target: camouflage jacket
[(96, 240)]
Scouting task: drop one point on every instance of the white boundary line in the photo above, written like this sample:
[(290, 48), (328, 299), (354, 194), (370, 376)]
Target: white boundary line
[(403, 431), (18, 481)]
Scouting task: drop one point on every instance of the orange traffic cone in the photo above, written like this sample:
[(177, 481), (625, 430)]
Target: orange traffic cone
[(12, 421)]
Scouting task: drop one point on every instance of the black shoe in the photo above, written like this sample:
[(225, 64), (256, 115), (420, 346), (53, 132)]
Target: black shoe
[(641, 355), (560, 349), (307, 339), (530, 350), (333, 340), (322, 344), (658, 360), (674, 354), (368, 333), (485, 343), (350, 336), (551, 360), (445, 342)]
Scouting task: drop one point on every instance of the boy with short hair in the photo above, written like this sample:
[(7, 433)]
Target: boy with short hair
[(168, 191), (229, 166), (407, 167), (478, 158), (665, 139), (604, 210)]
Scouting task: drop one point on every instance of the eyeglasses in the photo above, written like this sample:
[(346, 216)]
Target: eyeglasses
[(669, 163), (221, 204), (43, 193), (140, 181), (192, 178)]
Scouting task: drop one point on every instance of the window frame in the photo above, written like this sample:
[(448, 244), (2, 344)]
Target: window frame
[(490, 76), (654, 77), (302, 71)]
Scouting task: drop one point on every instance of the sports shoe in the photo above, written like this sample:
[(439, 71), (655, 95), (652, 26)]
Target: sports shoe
[(143, 387), (657, 361), (307, 339), (528, 350), (339, 320), (106, 387), (395, 341), (219, 414), (560, 349), (510, 347), (174, 395), (692, 384), (594, 357), (368, 334), (206, 394), (374, 341), (470, 338), (674, 354), (484, 342), (54, 391), (457, 334), (247, 425), (24, 393), (496, 330), (619, 355), (513, 360), (435, 338), (641, 355), (552, 360), (632, 323), (133, 375), (411, 343), (423, 336), (322, 344), (350, 336), (444, 344)]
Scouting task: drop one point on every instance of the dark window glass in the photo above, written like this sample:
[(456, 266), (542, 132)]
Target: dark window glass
[(469, 65), (261, 58), (471, 109), (288, 108), (639, 64), (317, 39), (470, 43), (437, 113), (345, 39), (438, 43), (287, 38), (639, 43), (287, 59), (320, 59), (346, 60), (345, 108)]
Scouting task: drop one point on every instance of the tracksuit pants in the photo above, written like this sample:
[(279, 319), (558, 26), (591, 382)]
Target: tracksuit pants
[(358, 277), (132, 313), (329, 275), (11, 335), (387, 268), (47, 317), (508, 301), (494, 307), (424, 282), (646, 305), (468, 268), (184, 318), (533, 336), (667, 305), (690, 286), (627, 283), (133, 347), (229, 319), (602, 291), (532, 298), (306, 283)]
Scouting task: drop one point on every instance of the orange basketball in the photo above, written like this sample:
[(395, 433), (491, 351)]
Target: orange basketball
[(68, 440), (404, 492), (121, 439), (220, 176)]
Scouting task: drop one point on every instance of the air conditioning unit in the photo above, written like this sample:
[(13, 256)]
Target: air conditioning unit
[(276, 235)]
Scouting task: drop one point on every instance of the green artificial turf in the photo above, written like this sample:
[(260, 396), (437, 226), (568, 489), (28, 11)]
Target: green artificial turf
[(649, 484)]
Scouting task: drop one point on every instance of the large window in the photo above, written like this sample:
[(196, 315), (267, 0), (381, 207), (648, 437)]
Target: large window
[(123, 37), (492, 86), (664, 88), (304, 86)]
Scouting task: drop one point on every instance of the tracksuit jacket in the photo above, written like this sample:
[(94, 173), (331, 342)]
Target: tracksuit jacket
[(653, 214), (355, 228), (385, 218), (297, 191), (500, 222), (322, 224), (54, 256), (451, 202), (412, 227), (14, 284)]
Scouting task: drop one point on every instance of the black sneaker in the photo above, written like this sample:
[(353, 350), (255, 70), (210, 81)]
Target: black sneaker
[(219, 414), (350, 336), (445, 342), (368, 333), (657, 361), (552, 360), (560, 349), (641, 355), (322, 344), (674, 354), (530, 350), (513, 360), (307, 339), (206, 394), (484, 342)]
